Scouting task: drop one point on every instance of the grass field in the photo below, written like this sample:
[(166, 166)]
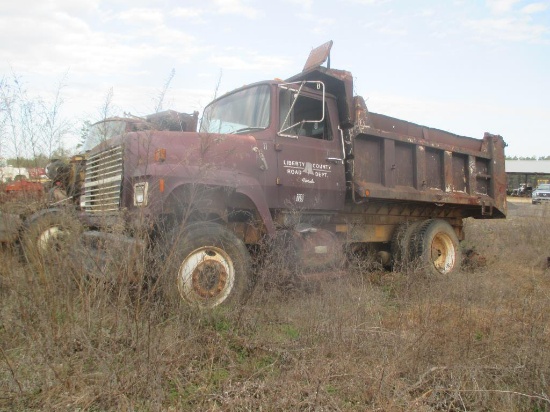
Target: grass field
[(371, 341)]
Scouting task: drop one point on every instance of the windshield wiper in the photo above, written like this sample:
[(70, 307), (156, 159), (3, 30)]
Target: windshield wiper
[(246, 129)]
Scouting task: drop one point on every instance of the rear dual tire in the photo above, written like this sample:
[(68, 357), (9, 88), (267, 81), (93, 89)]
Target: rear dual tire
[(432, 244)]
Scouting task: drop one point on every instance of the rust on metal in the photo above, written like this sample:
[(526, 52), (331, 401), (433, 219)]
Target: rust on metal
[(318, 56), (209, 279)]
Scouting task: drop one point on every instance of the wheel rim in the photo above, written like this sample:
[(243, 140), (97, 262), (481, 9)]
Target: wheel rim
[(47, 238), (206, 276), (442, 253)]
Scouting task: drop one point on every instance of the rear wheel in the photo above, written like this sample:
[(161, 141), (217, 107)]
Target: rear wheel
[(435, 244), (401, 244), (212, 265)]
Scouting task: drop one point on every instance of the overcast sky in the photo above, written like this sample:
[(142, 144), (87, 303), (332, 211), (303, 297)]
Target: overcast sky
[(463, 66)]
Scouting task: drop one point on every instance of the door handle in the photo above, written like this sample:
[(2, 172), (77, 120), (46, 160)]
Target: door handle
[(336, 160)]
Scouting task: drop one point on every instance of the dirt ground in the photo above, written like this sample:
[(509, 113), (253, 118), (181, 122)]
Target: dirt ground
[(372, 341), (522, 206)]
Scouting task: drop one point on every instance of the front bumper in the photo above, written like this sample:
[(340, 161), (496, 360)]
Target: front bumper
[(541, 198)]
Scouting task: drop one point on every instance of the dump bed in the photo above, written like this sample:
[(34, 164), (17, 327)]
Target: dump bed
[(395, 161), (405, 162)]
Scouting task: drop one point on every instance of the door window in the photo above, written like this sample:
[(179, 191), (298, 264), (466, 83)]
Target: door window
[(303, 117)]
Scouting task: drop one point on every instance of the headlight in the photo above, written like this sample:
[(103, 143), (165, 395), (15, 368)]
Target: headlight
[(140, 194)]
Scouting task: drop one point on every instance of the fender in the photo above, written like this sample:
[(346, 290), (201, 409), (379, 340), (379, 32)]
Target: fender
[(203, 159), (253, 190), (176, 176)]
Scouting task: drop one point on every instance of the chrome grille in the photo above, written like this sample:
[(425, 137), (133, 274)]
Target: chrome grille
[(102, 186)]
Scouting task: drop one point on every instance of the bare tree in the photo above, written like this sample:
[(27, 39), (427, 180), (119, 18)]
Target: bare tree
[(216, 90), (30, 127), (106, 109), (11, 96), (159, 101), (54, 127), (101, 130)]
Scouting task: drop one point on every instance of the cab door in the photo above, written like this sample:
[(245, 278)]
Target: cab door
[(310, 159)]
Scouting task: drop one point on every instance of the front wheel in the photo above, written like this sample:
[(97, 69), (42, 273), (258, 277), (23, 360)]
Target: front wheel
[(212, 264), (435, 244), (48, 235)]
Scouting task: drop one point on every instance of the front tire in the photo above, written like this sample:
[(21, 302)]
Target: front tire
[(212, 266), (435, 245), (48, 236)]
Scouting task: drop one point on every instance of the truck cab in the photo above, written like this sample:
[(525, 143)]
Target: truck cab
[(299, 141)]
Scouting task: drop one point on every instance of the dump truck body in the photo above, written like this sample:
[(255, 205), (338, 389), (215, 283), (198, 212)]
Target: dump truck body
[(399, 160), (302, 157)]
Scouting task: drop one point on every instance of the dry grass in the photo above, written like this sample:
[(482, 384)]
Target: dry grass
[(379, 341)]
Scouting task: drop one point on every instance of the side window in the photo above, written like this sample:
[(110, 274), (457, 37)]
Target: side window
[(306, 117)]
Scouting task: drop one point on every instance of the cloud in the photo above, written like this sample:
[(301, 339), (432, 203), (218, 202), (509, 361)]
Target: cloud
[(501, 6), (483, 116), (188, 13), (508, 29), (426, 13), (142, 16), (44, 7), (59, 40), (316, 24), (237, 7), (392, 30), (370, 2), (510, 24), (305, 4), (38, 47), (241, 60), (389, 25), (534, 8)]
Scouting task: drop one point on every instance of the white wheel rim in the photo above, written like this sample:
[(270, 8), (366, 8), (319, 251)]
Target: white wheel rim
[(442, 253), (206, 276), (45, 239)]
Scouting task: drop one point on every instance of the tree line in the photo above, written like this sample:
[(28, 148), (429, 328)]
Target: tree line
[(527, 158)]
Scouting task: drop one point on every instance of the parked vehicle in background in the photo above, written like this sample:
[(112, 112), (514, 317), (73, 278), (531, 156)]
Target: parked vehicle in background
[(302, 160), (10, 173), (541, 194), (524, 190), (22, 186)]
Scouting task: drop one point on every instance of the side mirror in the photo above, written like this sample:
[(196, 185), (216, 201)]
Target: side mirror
[(296, 110)]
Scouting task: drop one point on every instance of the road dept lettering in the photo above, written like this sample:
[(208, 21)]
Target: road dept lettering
[(298, 168)]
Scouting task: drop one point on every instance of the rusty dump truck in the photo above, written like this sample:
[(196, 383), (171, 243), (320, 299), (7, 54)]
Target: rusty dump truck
[(302, 160)]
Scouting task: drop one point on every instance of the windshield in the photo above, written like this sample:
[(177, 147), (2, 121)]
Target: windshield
[(102, 131), (242, 111), (544, 187)]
